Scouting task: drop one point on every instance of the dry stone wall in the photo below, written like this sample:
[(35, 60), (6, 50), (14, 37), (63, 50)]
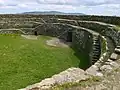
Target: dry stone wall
[(85, 32), (57, 26), (81, 39)]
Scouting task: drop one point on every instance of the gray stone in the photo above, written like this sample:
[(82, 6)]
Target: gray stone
[(118, 47), (109, 60), (93, 70), (70, 75), (114, 64), (117, 50), (99, 74), (106, 68), (114, 56), (67, 76)]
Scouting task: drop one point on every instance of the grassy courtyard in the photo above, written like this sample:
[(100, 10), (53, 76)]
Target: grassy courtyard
[(24, 62)]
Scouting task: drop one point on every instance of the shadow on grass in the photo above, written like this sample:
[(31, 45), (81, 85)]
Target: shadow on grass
[(83, 57)]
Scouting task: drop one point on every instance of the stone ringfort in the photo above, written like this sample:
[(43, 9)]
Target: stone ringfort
[(96, 36)]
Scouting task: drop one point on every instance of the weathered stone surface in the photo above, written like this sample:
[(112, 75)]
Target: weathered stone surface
[(106, 68), (118, 47), (117, 50), (94, 71), (67, 76), (114, 64), (114, 56), (56, 42), (109, 60)]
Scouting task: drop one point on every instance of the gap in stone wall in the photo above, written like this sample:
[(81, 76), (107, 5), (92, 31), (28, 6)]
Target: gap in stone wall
[(69, 36)]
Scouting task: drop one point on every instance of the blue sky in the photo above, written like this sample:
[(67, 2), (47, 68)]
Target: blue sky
[(92, 7)]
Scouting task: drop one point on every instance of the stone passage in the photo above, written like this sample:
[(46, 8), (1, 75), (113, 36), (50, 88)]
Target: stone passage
[(35, 33), (69, 36)]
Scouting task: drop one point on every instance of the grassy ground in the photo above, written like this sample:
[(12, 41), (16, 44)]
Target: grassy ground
[(24, 62), (117, 28), (103, 46)]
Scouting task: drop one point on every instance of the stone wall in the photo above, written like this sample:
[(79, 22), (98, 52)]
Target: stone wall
[(82, 40), (104, 30), (54, 30), (113, 34), (57, 26)]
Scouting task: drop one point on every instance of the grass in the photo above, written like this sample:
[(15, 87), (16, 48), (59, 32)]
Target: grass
[(103, 46), (24, 62), (117, 28)]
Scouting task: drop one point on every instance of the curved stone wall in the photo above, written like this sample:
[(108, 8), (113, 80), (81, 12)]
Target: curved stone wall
[(83, 28), (85, 32)]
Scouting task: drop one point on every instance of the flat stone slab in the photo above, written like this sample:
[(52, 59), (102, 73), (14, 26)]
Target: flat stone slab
[(117, 50), (114, 56), (94, 71), (55, 42), (118, 47)]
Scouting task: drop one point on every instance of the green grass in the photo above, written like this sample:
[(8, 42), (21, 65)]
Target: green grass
[(117, 28), (24, 62), (103, 46)]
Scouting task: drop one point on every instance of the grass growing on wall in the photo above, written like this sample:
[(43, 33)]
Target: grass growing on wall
[(103, 46), (117, 28), (24, 62)]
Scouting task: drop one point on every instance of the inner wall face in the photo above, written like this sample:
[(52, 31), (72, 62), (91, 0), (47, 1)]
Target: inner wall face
[(81, 42)]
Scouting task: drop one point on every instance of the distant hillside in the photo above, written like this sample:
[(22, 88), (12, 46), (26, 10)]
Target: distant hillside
[(51, 13)]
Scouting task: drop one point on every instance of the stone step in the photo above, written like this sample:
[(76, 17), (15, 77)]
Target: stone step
[(95, 57), (94, 60), (97, 44), (95, 37), (94, 48), (118, 47), (117, 50), (94, 53), (96, 40)]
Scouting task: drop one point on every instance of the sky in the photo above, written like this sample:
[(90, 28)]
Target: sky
[(90, 7)]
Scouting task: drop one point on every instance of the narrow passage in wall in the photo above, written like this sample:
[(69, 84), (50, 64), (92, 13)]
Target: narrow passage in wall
[(69, 36)]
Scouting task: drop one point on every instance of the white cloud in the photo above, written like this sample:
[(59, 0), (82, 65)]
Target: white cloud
[(105, 7)]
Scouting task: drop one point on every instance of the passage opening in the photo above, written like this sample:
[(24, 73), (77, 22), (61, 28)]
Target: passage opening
[(69, 36), (35, 33)]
